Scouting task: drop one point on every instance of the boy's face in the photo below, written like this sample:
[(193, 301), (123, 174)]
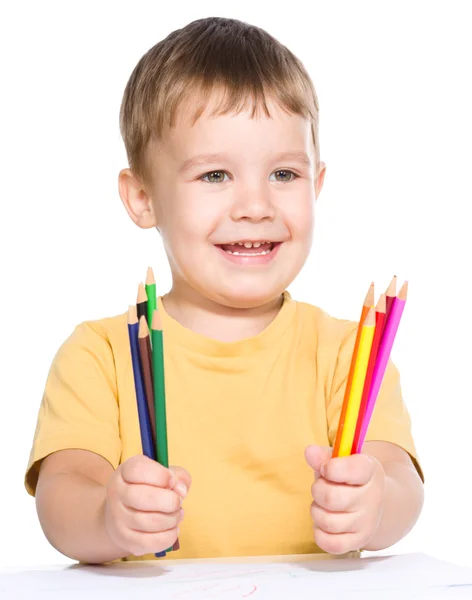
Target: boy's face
[(233, 198)]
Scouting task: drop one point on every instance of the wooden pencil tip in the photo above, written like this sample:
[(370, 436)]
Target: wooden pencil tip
[(392, 288), (382, 304), (150, 277), (143, 327), (403, 293), (132, 315), (156, 321), (370, 297), (142, 296), (370, 318)]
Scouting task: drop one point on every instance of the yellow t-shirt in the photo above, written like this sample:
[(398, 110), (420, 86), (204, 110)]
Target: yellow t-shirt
[(239, 417)]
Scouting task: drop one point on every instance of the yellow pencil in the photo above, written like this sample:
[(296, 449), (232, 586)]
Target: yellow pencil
[(358, 378)]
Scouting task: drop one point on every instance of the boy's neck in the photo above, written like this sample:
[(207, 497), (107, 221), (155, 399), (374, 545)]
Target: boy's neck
[(217, 321)]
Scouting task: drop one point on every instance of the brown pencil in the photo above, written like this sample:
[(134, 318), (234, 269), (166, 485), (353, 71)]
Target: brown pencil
[(146, 363)]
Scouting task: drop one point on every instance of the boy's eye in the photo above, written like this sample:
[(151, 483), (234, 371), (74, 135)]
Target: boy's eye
[(214, 176), (284, 175)]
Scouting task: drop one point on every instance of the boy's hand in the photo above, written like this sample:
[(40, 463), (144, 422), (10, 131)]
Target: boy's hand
[(348, 499), (143, 507)]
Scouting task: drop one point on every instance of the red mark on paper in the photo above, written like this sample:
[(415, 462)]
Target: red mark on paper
[(254, 589)]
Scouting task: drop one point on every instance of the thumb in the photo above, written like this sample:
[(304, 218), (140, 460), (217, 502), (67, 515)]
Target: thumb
[(316, 456), (181, 481)]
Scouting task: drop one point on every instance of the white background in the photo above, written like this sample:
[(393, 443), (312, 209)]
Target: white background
[(394, 85)]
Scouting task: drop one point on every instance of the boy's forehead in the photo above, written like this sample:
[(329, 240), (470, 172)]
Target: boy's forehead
[(188, 134)]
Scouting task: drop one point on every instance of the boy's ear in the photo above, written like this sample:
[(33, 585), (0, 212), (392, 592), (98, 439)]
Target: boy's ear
[(136, 200), (320, 179)]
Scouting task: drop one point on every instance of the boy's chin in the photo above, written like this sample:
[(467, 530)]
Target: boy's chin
[(246, 299)]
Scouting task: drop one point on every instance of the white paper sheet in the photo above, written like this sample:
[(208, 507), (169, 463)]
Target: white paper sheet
[(409, 576)]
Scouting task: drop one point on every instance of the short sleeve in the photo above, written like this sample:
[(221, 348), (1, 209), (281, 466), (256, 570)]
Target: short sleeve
[(390, 420), (79, 409)]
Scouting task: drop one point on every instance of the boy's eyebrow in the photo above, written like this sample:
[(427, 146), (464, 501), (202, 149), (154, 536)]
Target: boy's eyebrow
[(217, 157), (202, 159)]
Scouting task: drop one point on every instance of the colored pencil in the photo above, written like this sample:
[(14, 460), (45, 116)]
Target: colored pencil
[(383, 356), (160, 396), (151, 295), (368, 304), (143, 415), (146, 367), (379, 323), (159, 389), (146, 370), (141, 302), (358, 378), (390, 297)]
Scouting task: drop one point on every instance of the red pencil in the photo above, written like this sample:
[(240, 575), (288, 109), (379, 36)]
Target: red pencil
[(380, 312)]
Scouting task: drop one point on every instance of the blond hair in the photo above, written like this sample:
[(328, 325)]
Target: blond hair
[(246, 62)]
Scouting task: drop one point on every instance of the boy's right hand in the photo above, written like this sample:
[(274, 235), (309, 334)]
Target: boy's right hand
[(144, 505)]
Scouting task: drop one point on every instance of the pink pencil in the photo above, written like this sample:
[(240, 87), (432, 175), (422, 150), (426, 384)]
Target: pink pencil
[(383, 355)]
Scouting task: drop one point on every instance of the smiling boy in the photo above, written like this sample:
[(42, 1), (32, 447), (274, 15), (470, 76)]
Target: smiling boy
[(220, 123)]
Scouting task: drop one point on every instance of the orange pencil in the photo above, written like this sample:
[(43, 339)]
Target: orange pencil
[(368, 304)]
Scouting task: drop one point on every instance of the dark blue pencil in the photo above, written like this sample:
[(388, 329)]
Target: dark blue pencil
[(143, 412)]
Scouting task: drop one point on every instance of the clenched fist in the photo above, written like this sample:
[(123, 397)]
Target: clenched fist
[(144, 505), (348, 499)]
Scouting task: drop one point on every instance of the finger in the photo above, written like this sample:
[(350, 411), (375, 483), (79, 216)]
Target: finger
[(140, 543), (141, 469), (352, 470), (340, 543), (316, 455), (335, 497), (183, 481), (334, 522), (151, 522), (150, 499)]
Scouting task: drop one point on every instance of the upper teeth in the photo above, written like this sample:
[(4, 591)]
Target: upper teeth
[(249, 244)]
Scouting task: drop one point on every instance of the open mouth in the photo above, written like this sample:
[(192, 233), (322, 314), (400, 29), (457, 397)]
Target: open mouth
[(247, 248)]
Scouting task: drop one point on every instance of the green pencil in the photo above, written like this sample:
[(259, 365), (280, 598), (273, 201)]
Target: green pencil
[(159, 390), (160, 396), (151, 295)]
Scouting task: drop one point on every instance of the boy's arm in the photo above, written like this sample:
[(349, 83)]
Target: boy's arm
[(404, 494), (70, 500)]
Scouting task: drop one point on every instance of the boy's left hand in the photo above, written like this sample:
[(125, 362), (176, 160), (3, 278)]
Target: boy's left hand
[(348, 499)]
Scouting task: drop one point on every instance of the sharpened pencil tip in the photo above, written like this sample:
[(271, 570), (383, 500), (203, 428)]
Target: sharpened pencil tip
[(132, 315), (142, 296), (143, 327), (370, 297), (403, 293), (381, 304), (370, 318), (392, 288), (150, 280)]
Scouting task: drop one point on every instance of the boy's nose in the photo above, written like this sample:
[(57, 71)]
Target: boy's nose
[(253, 206)]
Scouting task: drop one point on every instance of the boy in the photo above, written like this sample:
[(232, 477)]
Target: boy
[(220, 123)]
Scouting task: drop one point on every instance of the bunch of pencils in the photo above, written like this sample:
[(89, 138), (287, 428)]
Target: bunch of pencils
[(146, 344), (375, 336)]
